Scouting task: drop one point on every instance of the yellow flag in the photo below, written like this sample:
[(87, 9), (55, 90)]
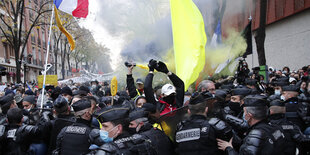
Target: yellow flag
[(113, 86), (63, 30), (189, 40)]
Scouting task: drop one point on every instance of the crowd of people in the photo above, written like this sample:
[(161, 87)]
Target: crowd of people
[(247, 114)]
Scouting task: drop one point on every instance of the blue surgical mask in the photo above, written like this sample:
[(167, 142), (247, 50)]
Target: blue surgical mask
[(66, 99), (243, 117), (104, 135), (277, 92)]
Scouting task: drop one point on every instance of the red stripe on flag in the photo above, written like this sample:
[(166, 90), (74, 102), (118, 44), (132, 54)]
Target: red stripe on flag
[(81, 10)]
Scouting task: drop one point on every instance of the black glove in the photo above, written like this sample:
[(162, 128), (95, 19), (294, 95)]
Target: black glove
[(152, 64), (161, 67)]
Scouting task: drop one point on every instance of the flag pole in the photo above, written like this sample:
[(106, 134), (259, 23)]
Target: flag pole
[(46, 57)]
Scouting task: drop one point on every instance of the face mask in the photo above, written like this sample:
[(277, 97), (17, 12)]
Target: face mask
[(277, 92), (282, 98), (243, 117), (29, 109), (93, 86), (169, 99), (284, 72), (234, 106), (132, 131), (104, 135), (66, 99)]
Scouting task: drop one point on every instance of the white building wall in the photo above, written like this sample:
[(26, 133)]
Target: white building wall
[(287, 43)]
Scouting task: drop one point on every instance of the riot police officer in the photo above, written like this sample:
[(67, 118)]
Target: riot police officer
[(261, 138), (6, 103), (76, 134), (196, 135), (277, 85), (16, 138), (114, 133), (139, 124), (294, 108), (236, 100), (52, 128), (293, 135)]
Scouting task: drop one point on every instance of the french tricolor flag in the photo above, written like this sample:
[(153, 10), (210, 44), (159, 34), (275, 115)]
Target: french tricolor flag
[(77, 8)]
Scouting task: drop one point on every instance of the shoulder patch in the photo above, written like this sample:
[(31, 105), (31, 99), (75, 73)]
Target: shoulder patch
[(76, 130), (187, 135), (11, 133), (204, 129), (277, 134)]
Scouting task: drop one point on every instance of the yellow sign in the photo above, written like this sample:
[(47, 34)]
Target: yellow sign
[(50, 80), (113, 86)]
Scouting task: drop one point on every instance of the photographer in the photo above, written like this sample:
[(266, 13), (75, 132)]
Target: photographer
[(242, 71)]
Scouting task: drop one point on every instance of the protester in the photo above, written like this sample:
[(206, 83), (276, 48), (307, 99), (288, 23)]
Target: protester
[(172, 96)]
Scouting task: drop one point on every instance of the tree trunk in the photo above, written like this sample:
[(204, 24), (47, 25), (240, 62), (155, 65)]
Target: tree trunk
[(68, 60), (55, 54), (76, 63), (86, 66), (18, 68), (63, 57), (261, 34)]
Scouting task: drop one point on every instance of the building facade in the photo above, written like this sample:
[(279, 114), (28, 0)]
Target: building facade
[(287, 30), (35, 50)]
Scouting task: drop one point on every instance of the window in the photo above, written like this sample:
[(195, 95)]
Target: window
[(33, 38), (39, 55), (43, 39), (12, 52), (34, 55), (39, 38), (25, 54), (30, 14)]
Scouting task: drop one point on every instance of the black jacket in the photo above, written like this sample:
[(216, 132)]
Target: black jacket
[(131, 87), (262, 138), (72, 136), (16, 139), (293, 135), (297, 112), (52, 128), (159, 140), (136, 144), (196, 136)]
